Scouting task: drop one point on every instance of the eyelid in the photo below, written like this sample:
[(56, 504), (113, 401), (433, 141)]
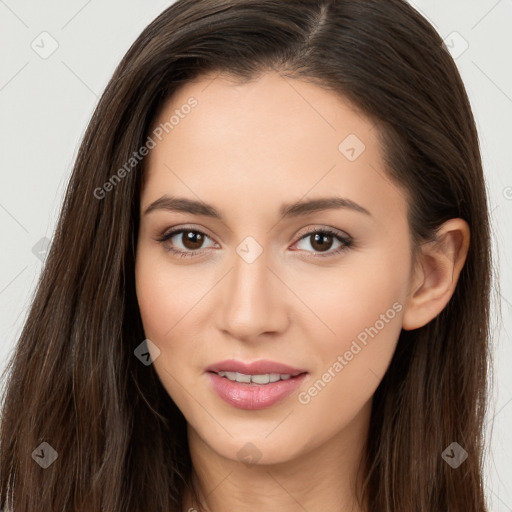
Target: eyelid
[(169, 233), (316, 228), (165, 234)]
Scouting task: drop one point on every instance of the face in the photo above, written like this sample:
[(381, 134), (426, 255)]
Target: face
[(271, 245)]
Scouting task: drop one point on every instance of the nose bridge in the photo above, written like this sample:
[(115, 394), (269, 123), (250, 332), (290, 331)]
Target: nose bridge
[(251, 300)]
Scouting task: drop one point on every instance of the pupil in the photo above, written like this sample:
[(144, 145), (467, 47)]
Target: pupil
[(193, 238), (318, 237)]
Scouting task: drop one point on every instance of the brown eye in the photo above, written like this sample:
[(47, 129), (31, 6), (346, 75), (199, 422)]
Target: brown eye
[(192, 239), (184, 242), (321, 241)]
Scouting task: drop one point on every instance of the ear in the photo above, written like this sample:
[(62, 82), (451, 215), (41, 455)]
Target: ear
[(436, 273)]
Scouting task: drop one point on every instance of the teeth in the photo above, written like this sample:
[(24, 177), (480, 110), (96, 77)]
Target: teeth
[(260, 379), (240, 377), (257, 379)]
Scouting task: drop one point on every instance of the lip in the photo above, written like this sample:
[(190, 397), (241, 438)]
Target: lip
[(260, 367), (254, 396)]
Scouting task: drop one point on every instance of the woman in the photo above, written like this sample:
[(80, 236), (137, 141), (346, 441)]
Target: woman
[(319, 338)]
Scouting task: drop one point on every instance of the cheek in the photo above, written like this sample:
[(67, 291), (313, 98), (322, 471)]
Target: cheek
[(166, 293), (162, 303), (349, 365), (359, 319), (346, 299), (169, 299)]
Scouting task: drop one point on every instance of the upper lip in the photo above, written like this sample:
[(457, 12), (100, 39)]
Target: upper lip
[(260, 367)]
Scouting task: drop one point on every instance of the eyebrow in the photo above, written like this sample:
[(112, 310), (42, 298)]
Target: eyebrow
[(296, 209)]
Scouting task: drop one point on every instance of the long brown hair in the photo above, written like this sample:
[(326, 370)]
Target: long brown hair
[(73, 380)]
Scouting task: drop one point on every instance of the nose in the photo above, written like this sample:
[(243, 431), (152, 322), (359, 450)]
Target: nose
[(253, 300)]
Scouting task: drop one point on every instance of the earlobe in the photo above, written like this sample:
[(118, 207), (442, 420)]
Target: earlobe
[(436, 274)]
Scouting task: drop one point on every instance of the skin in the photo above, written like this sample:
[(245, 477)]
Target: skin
[(246, 149)]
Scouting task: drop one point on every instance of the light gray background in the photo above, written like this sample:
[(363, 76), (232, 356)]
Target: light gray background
[(45, 104)]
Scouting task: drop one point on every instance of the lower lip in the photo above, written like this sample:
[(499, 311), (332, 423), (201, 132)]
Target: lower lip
[(253, 396)]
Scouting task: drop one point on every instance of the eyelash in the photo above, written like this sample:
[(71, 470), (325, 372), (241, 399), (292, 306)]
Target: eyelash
[(346, 242)]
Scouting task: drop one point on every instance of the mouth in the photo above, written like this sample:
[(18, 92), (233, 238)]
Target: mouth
[(259, 379), (255, 385)]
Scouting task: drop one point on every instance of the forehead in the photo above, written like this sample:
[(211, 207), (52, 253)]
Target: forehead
[(271, 139), (271, 111)]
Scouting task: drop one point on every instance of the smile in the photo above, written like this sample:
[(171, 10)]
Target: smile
[(252, 392), (255, 379)]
